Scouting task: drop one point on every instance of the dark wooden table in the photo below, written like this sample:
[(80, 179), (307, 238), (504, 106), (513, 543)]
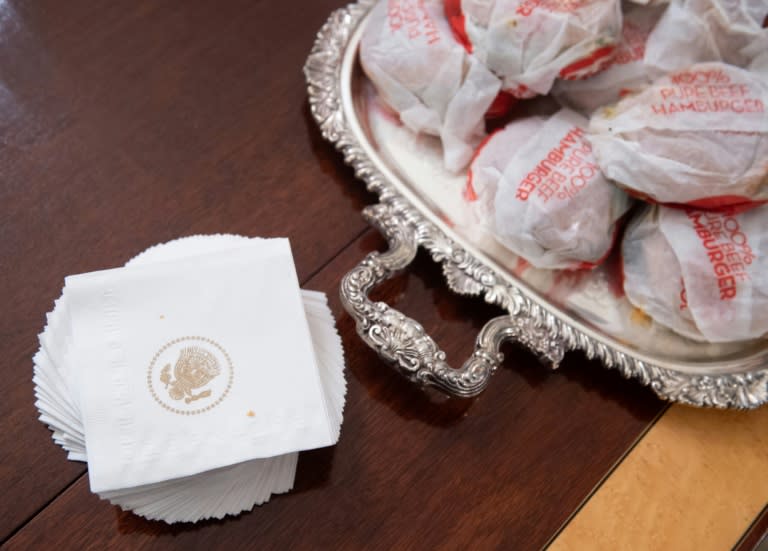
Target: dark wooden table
[(125, 124)]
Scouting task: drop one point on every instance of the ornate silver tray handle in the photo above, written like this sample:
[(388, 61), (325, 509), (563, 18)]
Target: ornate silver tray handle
[(411, 215), (402, 341)]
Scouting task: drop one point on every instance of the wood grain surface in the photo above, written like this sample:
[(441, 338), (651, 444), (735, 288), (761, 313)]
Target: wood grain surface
[(125, 124), (755, 538), (694, 468)]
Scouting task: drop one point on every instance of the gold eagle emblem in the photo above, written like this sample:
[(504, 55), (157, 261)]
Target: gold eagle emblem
[(195, 368)]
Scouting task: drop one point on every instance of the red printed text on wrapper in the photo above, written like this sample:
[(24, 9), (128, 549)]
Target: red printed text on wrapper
[(412, 17), (706, 92), (727, 248), (632, 46), (683, 295), (564, 171)]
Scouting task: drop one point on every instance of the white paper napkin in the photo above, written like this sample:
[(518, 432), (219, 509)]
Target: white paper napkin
[(214, 492)]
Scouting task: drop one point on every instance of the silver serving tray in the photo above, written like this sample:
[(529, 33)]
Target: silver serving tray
[(550, 312)]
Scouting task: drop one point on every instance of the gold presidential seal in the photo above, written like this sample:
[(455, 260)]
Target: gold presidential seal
[(190, 375)]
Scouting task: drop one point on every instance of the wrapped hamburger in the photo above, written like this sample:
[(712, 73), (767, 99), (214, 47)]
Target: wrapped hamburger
[(553, 207), (696, 137), (529, 43), (488, 164), (420, 71), (703, 274), (626, 73), (693, 31)]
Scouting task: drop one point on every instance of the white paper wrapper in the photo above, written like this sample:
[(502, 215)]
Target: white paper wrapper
[(627, 72), (409, 53), (697, 137), (529, 43), (759, 65), (703, 274), (488, 165), (649, 2), (553, 207), (693, 31)]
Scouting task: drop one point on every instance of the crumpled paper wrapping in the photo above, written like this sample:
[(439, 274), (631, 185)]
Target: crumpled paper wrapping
[(627, 72), (420, 71), (703, 274), (553, 207), (693, 31), (697, 136), (529, 43), (488, 165), (759, 66), (649, 2)]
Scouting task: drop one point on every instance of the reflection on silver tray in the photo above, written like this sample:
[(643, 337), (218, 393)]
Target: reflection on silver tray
[(550, 312)]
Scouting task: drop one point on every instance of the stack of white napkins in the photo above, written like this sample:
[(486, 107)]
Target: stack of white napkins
[(190, 379)]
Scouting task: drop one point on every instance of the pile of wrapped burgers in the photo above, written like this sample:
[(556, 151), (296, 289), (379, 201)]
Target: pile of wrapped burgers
[(661, 141)]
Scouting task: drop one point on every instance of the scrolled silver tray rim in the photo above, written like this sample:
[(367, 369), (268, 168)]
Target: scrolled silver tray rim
[(548, 332)]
